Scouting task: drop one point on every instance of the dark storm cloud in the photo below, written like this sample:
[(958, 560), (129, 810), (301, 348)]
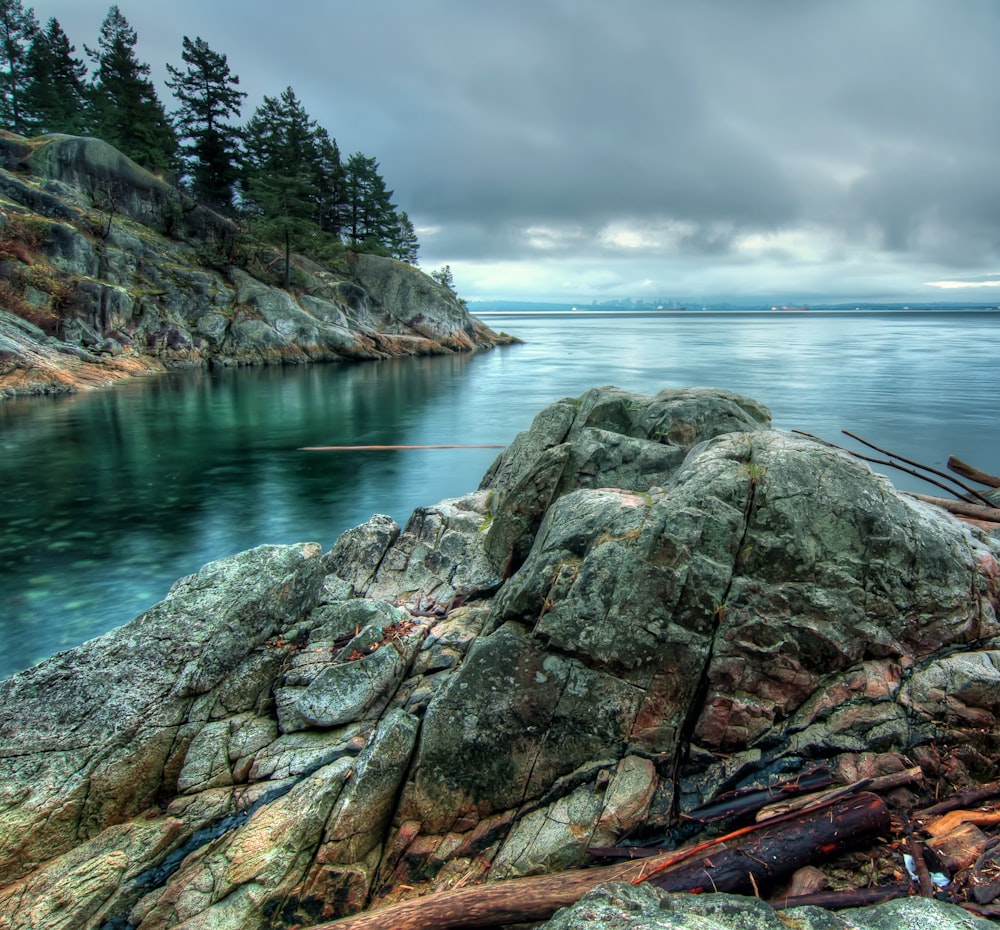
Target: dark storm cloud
[(579, 143)]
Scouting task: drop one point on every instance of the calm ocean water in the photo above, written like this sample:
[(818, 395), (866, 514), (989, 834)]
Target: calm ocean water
[(111, 496)]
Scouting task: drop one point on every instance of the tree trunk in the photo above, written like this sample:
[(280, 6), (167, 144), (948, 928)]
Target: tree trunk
[(773, 852)]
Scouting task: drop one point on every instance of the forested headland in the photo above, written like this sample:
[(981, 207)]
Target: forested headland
[(278, 174)]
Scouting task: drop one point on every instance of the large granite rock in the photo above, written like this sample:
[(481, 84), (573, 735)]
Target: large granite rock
[(650, 599), (110, 272)]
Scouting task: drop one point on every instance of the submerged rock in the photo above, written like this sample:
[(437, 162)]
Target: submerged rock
[(648, 600)]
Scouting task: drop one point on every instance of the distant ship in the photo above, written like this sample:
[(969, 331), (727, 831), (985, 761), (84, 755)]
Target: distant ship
[(790, 309)]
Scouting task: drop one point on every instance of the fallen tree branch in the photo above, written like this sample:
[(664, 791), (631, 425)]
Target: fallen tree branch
[(752, 800), (892, 464), (831, 827), (973, 474), (927, 468), (836, 900), (990, 514), (879, 783), (779, 846), (963, 798)]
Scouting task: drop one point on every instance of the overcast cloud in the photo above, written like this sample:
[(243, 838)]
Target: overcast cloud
[(792, 150)]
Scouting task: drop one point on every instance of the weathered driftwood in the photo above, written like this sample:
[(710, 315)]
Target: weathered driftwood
[(519, 900), (879, 783), (818, 833), (776, 850), (837, 900), (948, 822), (748, 801), (973, 474), (962, 798), (916, 852), (989, 514), (893, 463)]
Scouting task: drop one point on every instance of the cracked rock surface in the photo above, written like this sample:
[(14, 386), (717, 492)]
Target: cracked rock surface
[(647, 600)]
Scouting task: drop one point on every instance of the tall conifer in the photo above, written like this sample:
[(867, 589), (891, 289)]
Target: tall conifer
[(208, 95), (17, 28), (125, 108), (55, 93)]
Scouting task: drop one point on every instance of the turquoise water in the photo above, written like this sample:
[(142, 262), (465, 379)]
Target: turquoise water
[(110, 496)]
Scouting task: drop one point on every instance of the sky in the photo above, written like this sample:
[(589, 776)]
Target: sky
[(781, 151)]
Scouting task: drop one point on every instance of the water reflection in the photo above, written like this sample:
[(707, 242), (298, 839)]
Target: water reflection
[(111, 496)]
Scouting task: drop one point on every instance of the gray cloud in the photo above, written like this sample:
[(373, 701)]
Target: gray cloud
[(546, 146)]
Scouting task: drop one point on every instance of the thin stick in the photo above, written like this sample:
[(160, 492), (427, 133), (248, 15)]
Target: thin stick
[(386, 448), (896, 465), (933, 471), (874, 461)]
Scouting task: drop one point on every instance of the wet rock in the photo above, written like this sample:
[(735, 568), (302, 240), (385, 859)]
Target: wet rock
[(291, 736)]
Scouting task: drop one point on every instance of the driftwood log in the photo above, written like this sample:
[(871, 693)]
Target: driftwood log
[(776, 848), (973, 474), (961, 508)]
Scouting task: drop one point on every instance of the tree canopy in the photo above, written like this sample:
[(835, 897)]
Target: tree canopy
[(55, 92), (17, 28), (125, 109), (280, 169), (208, 96)]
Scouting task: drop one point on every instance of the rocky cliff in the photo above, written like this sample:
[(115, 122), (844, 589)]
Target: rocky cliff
[(107, 272), (648, 601)]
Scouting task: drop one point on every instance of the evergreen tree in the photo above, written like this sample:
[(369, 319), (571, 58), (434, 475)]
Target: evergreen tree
[(125, 108), (372, 214), (208, 95), (331, 193), (18, 27), (279, 172), (55, 94), (405, 245), (444, 277)]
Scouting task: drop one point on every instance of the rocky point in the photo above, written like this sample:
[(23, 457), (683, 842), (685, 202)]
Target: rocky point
[(648, 601)]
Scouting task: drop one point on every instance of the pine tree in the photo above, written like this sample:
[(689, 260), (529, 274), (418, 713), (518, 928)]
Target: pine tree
[(18, 27), (279, 171), (55, 93), (371, 212), (444, 277), (208, 95), (405, 245), (125, 109), (330, 185)]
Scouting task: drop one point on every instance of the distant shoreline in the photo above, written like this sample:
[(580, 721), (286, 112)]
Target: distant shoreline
[(747, 311)]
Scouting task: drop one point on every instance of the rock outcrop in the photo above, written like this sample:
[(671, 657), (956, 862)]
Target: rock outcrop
[(647, 601), (625, 907), (108, 271)]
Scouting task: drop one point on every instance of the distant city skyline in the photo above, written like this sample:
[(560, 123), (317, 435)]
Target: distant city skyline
[(576, 150)]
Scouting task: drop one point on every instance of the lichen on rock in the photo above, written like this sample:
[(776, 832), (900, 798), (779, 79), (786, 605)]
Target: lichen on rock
[(649, 600)]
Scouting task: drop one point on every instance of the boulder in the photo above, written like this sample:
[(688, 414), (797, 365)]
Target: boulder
[(588, 645)]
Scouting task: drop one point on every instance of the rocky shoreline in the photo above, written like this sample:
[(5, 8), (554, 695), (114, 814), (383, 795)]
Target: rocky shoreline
[(107, 272), (648, 601)]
